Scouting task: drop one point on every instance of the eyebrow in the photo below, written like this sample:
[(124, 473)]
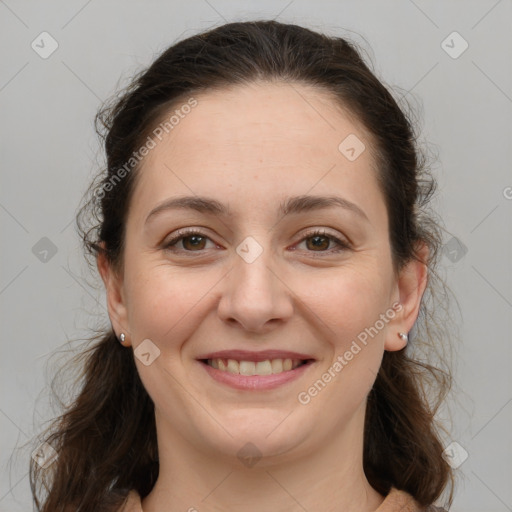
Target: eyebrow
[(292, 205)]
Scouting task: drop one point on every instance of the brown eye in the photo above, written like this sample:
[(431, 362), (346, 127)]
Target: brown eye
[(188, 241), (318, 242), (193, 242)]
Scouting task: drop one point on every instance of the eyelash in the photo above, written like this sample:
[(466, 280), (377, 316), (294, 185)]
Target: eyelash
[(342, 245)]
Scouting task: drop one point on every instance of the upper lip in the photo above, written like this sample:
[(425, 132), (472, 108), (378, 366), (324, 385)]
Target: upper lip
[(247, 355)]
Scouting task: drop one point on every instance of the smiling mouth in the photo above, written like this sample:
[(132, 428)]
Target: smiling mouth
[(248, 368)]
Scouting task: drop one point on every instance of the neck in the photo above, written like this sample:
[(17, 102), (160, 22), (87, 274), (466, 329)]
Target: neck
[(329, 478)]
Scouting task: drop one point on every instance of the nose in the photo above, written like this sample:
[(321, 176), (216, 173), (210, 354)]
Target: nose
[(255, 296)]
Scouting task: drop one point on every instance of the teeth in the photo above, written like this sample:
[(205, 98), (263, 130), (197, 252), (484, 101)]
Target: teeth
[(263, 368), (233, 366), (277, 365), (248, 368)]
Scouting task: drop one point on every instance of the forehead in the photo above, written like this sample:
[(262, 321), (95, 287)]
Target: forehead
[(271, 116), (268, 138)]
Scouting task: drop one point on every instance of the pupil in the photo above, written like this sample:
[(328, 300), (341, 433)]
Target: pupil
[(194, 240), (317, 240)]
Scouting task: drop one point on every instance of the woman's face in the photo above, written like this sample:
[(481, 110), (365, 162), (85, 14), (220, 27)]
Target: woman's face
[(255, 283)]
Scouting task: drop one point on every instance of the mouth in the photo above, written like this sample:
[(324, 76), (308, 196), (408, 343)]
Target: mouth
[(248, 368), (255, 370)]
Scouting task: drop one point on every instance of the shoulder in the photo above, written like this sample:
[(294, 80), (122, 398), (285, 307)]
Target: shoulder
[(132, 503), (401, 501), (395, 501)]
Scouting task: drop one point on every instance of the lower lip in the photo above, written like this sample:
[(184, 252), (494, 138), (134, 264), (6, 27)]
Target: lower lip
[(255, 382)]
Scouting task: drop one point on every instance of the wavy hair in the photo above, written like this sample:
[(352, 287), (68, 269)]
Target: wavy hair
[(106, 438)]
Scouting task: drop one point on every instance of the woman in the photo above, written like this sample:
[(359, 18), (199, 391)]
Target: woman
[(264, 246)]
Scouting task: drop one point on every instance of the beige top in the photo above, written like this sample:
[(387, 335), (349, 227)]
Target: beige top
[(395, 501)]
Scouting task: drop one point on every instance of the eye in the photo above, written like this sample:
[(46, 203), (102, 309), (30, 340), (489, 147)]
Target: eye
[(319, 240), (191, 241)]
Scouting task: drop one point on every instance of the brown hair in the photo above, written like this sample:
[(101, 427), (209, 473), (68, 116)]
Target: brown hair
[(106, 439)]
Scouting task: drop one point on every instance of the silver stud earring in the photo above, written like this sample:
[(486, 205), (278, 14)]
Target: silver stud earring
[(122, 337), (403, 336)]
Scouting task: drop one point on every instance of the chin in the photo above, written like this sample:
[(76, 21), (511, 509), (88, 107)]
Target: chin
[(259, 434)]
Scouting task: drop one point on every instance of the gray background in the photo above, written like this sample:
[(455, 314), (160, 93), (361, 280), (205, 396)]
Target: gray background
[(49, 152)]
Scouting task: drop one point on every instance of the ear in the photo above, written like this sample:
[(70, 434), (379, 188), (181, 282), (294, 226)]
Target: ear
[(411, 284), (115, 298)]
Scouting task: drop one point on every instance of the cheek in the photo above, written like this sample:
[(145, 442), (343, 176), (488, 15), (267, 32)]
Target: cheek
[(346, 306), (166, 303), (345, 300)]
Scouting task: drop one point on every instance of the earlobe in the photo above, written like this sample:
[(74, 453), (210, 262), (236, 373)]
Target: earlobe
[(113, 288), (411, 285), (403, 338)]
